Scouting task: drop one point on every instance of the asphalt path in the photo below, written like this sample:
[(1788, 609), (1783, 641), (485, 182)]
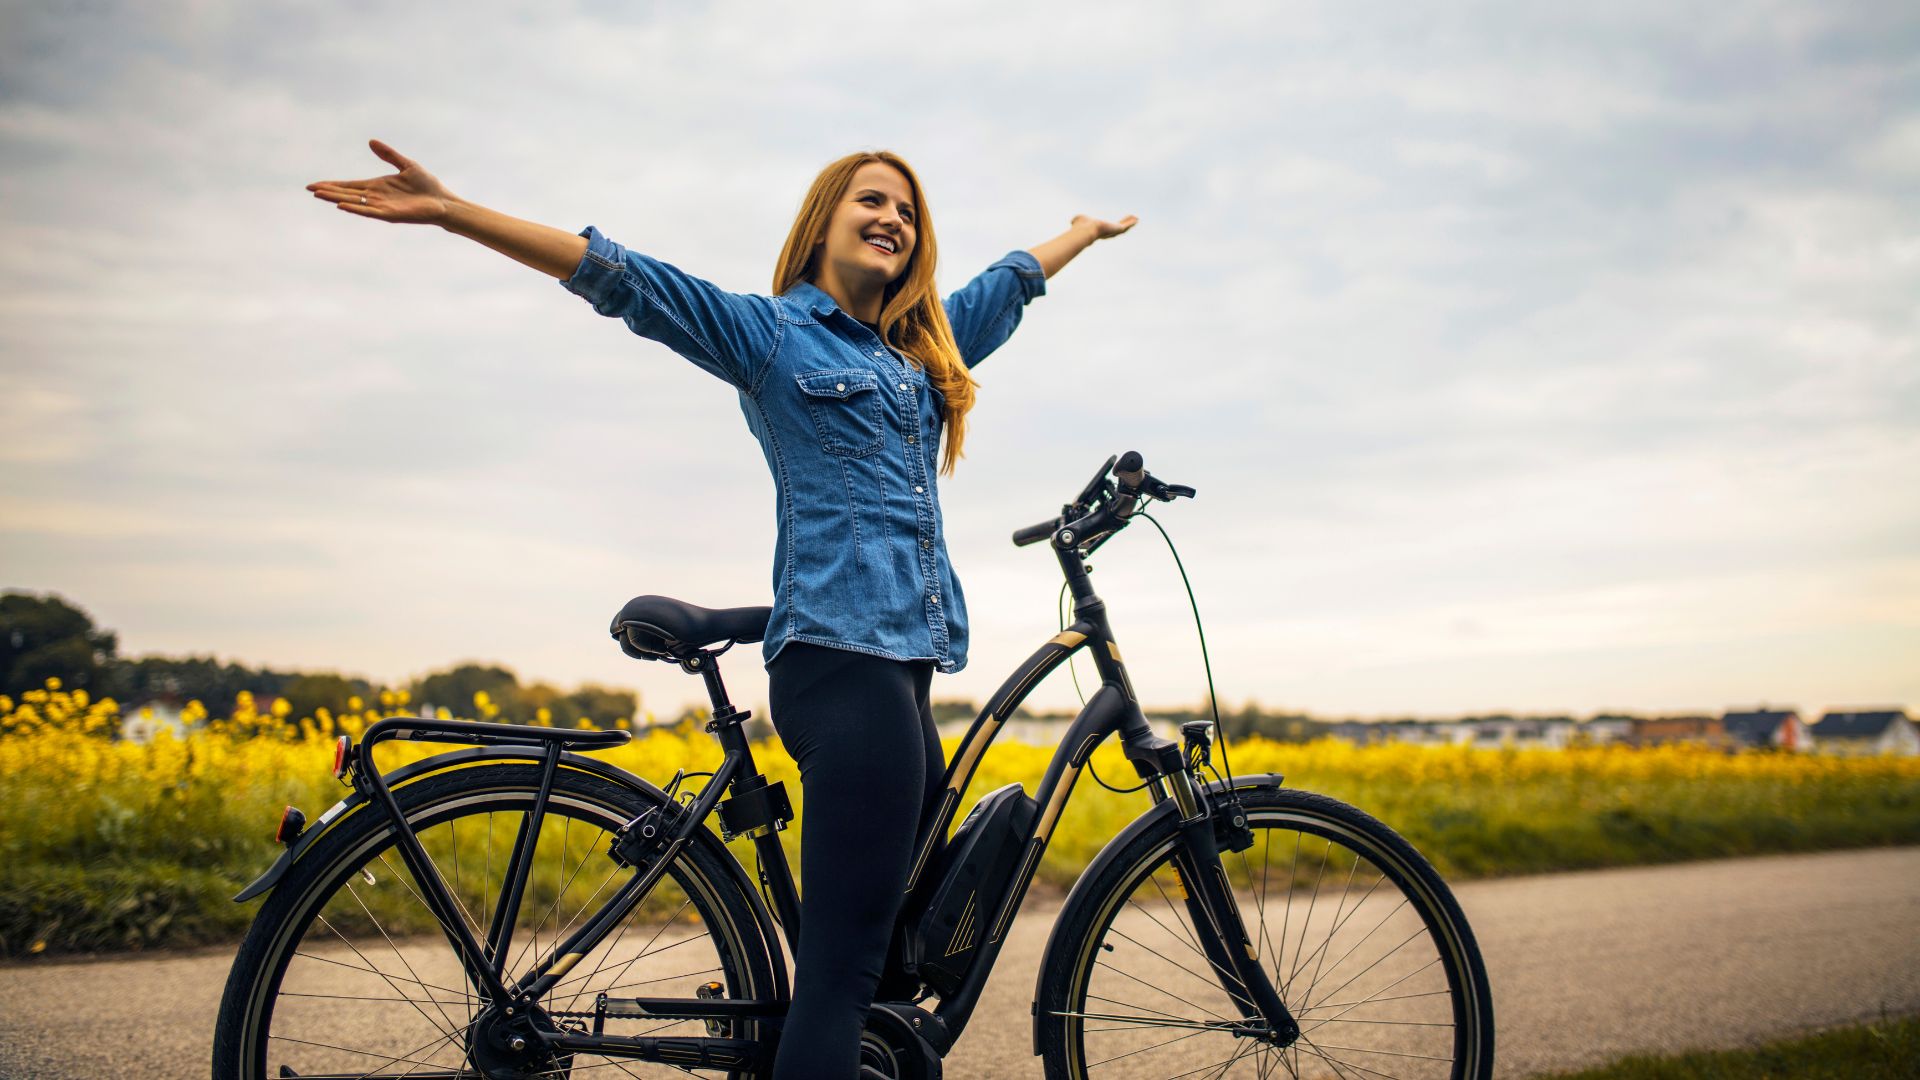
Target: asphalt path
[(1586, 968)]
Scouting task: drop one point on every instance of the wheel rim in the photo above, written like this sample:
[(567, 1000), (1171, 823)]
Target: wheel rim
[(1356, 944), (366, 983)]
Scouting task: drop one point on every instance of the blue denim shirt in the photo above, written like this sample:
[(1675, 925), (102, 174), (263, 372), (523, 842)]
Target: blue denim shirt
[(850, 430)]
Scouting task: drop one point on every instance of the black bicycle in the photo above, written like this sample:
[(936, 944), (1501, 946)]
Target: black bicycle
[(520, 909)]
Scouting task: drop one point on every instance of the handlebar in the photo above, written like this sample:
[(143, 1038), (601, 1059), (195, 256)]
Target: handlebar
[(1033, 534), (1103, 508)]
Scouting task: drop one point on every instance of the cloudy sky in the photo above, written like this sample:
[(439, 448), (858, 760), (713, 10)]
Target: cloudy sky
[(1525, 357)]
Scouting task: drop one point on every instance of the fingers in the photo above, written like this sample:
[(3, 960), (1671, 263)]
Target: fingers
[(389, 155), (335, 192), (354, 201), (350, 185)]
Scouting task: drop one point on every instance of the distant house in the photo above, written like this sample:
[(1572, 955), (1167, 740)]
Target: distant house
[(141, 724), (1870, 731), (1662, 730), (1603, 730), (1767, 729), (1359, 732), (1431, 733)]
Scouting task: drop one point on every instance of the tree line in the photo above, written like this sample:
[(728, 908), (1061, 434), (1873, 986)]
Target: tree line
[(43, 637)]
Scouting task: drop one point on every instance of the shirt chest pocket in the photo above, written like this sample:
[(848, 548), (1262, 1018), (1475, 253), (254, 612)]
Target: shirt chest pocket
[(847, 410)]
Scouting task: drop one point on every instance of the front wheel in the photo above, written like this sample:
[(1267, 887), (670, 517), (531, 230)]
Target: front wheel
[(346, 971), (1363, 941)]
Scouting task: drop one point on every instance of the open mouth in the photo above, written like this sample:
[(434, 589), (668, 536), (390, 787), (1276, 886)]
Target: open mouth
[(881, 243)]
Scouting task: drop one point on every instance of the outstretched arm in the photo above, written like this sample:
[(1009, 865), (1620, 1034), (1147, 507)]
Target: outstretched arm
[(1084, 230), (413, 196)]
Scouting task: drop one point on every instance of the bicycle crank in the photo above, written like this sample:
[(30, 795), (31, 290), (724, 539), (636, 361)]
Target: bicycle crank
[(891, 1050)]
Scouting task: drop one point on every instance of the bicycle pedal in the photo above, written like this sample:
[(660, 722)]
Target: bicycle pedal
[(708, 992)]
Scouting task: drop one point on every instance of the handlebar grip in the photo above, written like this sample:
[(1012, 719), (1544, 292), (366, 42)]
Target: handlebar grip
[(1130, 470), (1033, 534)]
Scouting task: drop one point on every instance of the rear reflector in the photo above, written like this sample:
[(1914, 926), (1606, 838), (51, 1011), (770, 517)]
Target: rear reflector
[(292, 824)]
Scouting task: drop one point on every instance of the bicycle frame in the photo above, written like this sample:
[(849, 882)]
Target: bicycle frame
[(1113, 710)]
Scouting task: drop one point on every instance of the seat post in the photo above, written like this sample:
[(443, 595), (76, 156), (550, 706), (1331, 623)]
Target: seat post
[(707, 666)]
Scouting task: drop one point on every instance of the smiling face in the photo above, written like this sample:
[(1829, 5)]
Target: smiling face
[(875, 214)]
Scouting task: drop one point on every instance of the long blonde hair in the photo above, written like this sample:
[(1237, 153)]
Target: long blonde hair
[(912, 318)]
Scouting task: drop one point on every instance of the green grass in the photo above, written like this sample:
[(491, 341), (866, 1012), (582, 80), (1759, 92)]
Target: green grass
[(113, 846), (1888, 1049)]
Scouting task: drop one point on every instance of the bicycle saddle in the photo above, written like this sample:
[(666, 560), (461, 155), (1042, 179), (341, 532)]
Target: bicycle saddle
[(660, 627)]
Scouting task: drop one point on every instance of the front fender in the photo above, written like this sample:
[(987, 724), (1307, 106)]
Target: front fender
[(1082, 886)]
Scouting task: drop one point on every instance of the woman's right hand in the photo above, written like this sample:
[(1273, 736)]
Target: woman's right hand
[(410, 196)]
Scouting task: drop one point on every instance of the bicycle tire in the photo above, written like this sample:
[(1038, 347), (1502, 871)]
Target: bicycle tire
[(342, 917), (1129, 981)]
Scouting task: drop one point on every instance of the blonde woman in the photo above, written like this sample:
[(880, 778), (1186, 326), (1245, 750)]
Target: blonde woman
[(853, 376)]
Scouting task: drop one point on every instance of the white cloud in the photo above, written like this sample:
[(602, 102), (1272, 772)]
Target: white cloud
[(1551, 324)]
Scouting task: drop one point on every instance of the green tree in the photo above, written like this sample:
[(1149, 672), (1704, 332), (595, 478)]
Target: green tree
[(178, 680), (43, 637), (454, 691), (307, 694), (604, 705), (954, 709), (560, 711)]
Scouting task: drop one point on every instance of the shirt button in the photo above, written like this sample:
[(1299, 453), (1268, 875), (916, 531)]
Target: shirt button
[(840, 386), (926, 543), (879, 354), (917, 489), (909, 438), (904, 386), (936, 598)]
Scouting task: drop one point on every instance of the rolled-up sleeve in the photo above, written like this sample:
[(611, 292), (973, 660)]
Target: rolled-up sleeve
[(985, 310), (732, 335)]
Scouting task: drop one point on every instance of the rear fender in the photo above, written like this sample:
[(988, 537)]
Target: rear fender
[(452, 759), (356, 803), (1083, 886)]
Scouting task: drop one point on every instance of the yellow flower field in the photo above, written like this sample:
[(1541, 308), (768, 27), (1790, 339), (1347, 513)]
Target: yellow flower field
[(116, 844)]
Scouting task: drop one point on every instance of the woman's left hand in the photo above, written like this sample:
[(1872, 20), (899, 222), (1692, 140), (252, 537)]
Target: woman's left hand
[(1104, 230)]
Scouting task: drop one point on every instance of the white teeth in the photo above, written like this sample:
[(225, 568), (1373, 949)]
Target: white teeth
[(881, 241)]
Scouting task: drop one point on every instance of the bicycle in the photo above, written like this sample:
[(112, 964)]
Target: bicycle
[(1174, 954)]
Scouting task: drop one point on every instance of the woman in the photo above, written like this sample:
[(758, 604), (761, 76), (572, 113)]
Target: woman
[(849, 375)]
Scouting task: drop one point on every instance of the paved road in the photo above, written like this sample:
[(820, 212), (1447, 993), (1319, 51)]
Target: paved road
[(1585, 968)]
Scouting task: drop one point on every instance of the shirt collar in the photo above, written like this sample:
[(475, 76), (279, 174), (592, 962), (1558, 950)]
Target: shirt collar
[(813, 296)]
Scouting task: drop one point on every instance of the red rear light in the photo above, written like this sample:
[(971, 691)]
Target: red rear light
[(342, 756), (292, 824)]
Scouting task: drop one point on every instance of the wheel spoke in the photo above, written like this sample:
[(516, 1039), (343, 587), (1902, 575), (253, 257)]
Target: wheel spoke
[(1196, 975), (333, 1013), (1371, 987), (1161, 989)]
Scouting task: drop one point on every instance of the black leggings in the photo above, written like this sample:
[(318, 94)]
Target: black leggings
[(870, 766)]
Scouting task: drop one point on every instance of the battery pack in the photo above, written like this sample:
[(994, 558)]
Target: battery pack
[(945, 931)]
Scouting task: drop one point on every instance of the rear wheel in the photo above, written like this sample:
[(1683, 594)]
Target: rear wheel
[(346, 971), (1365, 944)]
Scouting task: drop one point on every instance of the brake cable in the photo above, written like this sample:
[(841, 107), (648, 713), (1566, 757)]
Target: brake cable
[(1213, 699)]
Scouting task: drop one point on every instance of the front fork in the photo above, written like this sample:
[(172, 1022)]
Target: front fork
[(1205, 827)]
